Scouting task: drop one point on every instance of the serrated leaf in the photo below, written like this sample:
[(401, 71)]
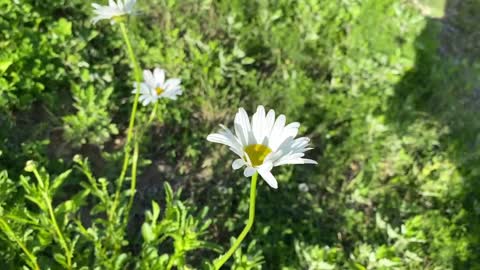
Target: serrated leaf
[(58, 181), (60, 258), (168, 193)]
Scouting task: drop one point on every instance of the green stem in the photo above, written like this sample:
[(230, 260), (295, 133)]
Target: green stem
[(48, 202), (152, 114), (251, 216), (63, 243), (149, 122), (138, 78), (9, 232), (133, 183)]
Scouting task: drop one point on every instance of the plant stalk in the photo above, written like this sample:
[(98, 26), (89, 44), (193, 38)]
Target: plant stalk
[(138, 78), (10, 233), (133, 183), (64, 244), (251, 216), (51, 213)]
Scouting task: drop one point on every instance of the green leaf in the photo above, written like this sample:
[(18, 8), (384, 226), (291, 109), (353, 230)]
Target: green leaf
[(4, 64), (63, 28), (168, 193), (156, 211), (247, 61), (58, 181), (147, 233), (60, 258), (121, 261)]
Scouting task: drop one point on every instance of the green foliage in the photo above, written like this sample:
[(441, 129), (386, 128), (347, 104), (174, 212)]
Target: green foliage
[(92, 122), (184, 229), (251, 259), (388, 96)]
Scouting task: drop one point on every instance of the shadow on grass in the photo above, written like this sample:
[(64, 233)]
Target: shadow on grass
[(444, 88)]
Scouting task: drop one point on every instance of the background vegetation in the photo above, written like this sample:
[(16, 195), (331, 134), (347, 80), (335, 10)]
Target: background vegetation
[(388, 91)]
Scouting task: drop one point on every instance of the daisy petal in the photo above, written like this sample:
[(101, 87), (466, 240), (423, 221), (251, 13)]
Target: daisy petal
[(242, 126), (235, 142), (258, 120), (239, 153), (238, 163), (268, 125), (268, 177), (120, 4), (149, 79), (172, 83), (297, 161), (129, 4), (113, 10), (249, 171), (309, 161), (159, 76), (171, 93), (219, 138), (276, 131)]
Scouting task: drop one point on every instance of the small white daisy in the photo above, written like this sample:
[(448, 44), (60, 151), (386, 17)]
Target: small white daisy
[(263, 143), (113, 10), (155, 86)]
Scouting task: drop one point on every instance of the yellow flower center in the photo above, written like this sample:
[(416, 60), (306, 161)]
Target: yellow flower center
[(257, 153), (119, 18), (159, 90)]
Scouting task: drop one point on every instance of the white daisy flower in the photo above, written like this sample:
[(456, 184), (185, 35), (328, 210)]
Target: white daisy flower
[(263, 143), (155, 86), (113, 10)]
